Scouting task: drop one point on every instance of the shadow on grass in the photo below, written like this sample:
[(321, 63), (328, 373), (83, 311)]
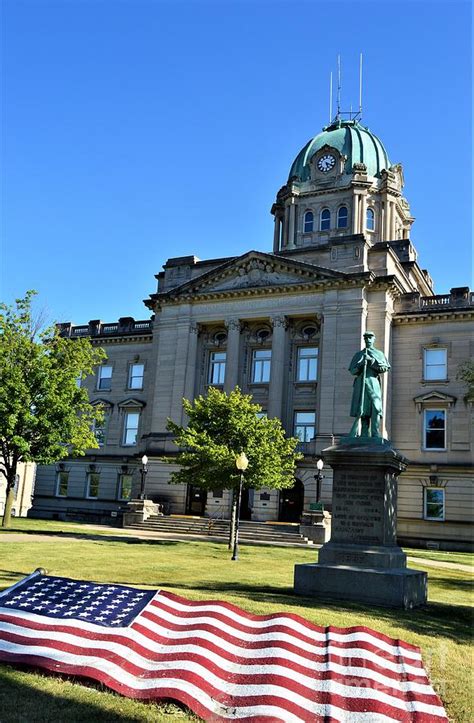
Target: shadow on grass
[(434, 619), (105, 537), (22, 702)]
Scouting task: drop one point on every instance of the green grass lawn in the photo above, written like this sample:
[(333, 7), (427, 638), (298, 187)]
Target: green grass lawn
[(260, 582)]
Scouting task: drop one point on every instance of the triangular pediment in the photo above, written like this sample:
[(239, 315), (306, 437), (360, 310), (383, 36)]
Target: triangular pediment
[(434, 397), (256, 270)]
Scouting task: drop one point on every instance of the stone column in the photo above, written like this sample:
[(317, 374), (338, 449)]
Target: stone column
[(363, 213), (190, 378), (386, 220), (275, 392), (393, 217), (276, 235), (232, 359), (284, 239), (355, 214), (291, 228)]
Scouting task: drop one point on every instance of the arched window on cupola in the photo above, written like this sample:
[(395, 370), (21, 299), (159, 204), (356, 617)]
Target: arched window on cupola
[(370, 220), (325, 220), (308, 222), (342, 216)]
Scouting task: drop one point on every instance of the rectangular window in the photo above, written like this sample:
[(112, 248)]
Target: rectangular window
[(434, 503), (62, 481), (305, 426), (125, 486), (105, 377), (135, 376), (217, 367), (261, 363), (130, 430), (262, 415), (93, 481), (435, 364), (307, 368), (435, 429), (100, 430)]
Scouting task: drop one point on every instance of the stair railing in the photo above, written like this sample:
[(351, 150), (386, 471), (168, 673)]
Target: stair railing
[(216, 515)]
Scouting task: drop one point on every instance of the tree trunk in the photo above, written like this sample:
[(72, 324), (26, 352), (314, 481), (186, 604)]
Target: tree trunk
[(10, 498), (233, 519)]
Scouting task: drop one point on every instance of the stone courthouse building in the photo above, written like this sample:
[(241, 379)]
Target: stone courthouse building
[(283, 325)]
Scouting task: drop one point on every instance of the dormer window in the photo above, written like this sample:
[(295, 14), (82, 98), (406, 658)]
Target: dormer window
[(308, 224), (325, 220), (342, 216), (370, 220)]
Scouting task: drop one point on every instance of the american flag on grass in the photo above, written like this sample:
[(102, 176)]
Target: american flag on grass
[(221, 662)]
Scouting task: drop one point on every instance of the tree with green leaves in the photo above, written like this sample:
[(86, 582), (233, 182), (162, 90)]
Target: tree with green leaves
[(465, 374), (220, 427), (45, 415)]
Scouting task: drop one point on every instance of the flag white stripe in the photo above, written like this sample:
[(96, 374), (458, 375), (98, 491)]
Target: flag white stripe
[(273, 639), (161, 601), (225, 665), (119, 674)]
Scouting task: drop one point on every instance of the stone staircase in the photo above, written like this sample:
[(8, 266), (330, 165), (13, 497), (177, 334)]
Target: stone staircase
[(269, 533)]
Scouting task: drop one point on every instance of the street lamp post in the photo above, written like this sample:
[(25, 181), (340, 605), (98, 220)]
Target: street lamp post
[(241, 462), (319, 478), (143, 473)]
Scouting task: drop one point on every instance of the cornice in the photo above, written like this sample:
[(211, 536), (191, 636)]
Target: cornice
[(142, 339), (416, 317)]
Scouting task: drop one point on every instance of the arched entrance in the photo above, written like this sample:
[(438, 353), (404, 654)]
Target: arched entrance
[(196, 500), (291, 503)]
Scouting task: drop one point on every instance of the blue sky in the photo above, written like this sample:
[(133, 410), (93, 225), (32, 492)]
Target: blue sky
[(135, 131)]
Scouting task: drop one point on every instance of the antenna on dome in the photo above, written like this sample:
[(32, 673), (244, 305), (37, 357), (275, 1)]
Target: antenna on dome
[(330, 98), (338, 87), (360, 86)]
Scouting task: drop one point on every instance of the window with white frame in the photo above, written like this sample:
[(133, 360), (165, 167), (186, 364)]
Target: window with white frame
[(433, 503), (261, 363), (370, 220), (130, 428), (62, 481), (308, 223), (307, 364), (125, 486), (100, 429), (325, 220), (135, 376), (217, 360), (305, 426), (434, 429), (342, 217), (435, 364), (93, 483), (104, 380)]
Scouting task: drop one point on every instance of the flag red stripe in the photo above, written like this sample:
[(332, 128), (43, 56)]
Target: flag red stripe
[(196, 705), (291, 616), (350, 703), (148, 652)]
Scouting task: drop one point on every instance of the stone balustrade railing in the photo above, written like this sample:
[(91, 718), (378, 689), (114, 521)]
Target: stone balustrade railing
[(95, 328), (458, 298)]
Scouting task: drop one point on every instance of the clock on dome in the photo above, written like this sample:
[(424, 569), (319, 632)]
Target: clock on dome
[(326, 163)]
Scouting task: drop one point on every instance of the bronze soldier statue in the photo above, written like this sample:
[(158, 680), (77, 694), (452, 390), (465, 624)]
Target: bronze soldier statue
[(367, 365)]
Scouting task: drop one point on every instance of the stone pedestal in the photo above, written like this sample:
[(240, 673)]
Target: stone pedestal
[(362, 561), (139, 511), (316, 526)]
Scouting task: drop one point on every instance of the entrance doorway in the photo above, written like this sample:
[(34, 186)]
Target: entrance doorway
[(245, 509), (291, 503), (196, 500)]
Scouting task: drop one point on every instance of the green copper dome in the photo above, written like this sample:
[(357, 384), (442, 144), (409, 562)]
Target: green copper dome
[(351, 139)]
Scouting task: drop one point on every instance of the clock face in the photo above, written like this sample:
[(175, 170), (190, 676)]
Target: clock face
[(326, 163)]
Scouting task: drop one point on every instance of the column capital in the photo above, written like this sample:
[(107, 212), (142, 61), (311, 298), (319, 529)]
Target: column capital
[(233, 324), (194, 328), (278, 321)]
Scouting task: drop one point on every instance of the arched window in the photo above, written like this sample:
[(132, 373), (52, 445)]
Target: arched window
[(342, 215), (370, 220), (308, 222), (325, 220)]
